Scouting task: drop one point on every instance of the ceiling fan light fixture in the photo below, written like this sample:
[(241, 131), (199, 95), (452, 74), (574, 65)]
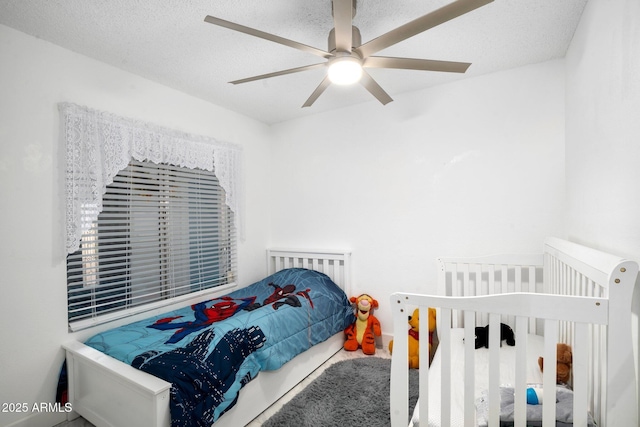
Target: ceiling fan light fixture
[(346, 55), (345, 70)]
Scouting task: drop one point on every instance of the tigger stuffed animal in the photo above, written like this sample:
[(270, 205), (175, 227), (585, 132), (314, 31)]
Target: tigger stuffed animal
[(362, 333)]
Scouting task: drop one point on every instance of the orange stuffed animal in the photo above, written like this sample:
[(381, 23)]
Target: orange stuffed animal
[(362, 333), (414, 331)]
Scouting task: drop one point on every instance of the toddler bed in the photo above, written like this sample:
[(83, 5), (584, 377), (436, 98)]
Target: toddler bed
[(569, 294), (221, 361)]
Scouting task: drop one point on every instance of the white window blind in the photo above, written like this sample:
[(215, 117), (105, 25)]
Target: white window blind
[(164, 232)]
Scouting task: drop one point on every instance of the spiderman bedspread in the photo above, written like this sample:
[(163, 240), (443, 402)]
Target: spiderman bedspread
[(210, 350)]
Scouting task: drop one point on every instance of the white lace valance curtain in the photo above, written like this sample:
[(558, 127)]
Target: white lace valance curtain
[(100, 144)]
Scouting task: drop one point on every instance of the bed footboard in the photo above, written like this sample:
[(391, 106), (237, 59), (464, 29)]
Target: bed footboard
[(108, 392)]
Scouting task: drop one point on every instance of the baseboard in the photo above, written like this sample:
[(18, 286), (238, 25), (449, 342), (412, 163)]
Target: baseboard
[(41, 419), (385, 340)]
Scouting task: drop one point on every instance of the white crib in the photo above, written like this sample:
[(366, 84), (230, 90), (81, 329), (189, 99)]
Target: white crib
[(570, 294)]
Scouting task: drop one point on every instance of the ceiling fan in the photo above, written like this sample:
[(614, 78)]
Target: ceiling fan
[(346, 56)]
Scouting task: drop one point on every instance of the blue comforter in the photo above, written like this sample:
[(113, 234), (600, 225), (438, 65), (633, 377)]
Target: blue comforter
[(210, 350)]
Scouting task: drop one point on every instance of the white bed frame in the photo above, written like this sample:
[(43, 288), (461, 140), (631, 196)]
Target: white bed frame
[(108, 392), (570, 293)]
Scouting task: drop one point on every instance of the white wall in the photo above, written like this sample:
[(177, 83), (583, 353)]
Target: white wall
[(603, 136), (467, 168), (603, 128), (34, 77)]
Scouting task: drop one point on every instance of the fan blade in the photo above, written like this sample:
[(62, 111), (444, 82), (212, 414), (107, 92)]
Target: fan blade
[(415, 64), (342, 21), (279, 73), (417, 26), (374, 88), (266, 36), (316, 93)]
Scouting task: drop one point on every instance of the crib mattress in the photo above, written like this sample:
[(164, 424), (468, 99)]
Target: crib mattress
[(535, 348)]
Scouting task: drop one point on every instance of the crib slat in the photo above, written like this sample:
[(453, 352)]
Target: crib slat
[(492, 279), (532, 288), (481, 318), (494, 370), (423, 374), (479, 284), (400, 366), (549, 374), (491, 288), (469, 368), (504, 280), (580, 374), (592, 369), (521, 373), (458, 290), (599, 361), (466, 281), (445, 348), (442, 277)]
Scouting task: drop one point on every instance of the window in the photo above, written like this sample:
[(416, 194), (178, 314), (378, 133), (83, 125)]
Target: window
[(164, 232)]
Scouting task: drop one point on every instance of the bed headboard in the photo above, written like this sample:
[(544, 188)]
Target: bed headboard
[(334, 263)]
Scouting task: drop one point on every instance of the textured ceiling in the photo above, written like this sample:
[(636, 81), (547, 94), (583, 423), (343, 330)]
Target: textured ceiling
[(167, 41)]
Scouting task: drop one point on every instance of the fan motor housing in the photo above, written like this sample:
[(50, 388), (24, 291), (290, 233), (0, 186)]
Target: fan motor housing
[(356, 39)]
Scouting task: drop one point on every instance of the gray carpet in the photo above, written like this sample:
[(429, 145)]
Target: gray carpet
[(350, 393)]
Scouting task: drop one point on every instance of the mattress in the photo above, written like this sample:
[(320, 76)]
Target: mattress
[(535, 348)]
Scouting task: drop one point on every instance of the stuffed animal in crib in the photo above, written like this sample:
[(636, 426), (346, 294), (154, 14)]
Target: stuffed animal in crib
[(482, 335), (564, 359), (363, 332), (414, 336)]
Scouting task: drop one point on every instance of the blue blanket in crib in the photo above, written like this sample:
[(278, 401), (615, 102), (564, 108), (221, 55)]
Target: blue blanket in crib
[(210, 350)]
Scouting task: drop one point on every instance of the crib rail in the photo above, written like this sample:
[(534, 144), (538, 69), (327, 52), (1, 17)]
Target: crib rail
[(581, 311), (488, 275)]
